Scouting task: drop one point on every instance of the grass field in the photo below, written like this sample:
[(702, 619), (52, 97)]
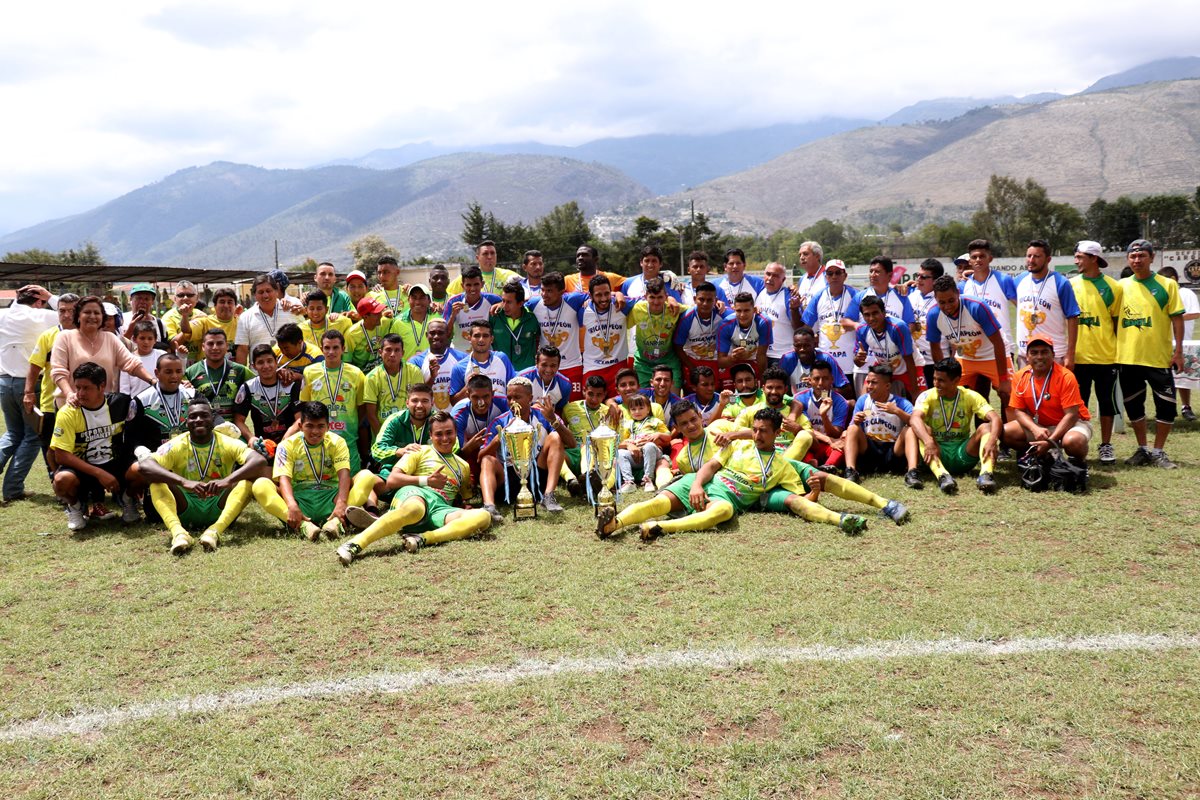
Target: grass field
[(109, 620)]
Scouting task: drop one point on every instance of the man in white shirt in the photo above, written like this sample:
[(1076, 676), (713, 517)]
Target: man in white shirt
[(1046, 305), (813, 280), (259, 324), (1191, 312), (778, 304), (20, 326)]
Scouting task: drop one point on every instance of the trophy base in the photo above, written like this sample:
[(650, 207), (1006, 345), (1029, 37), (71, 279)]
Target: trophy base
[(524, 508), (605, 500)]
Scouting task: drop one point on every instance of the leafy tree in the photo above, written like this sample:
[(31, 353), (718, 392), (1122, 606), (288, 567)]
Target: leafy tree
[(1169, 220), (563, 229), (367, 251), (86, 253), (1013, 213), (1113, 224)]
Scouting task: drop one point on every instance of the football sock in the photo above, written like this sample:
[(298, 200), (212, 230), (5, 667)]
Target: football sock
[(849, 490), (663, 476), (935, 466), (799, 446), (468, 523), (813, 512), (407, 513), (269, 498), (238, 497), (640, 512), (986, 464), (164, 503), (361, 488), (716, 512)]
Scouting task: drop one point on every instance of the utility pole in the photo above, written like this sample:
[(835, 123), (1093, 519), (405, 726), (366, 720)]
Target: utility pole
[(276, 254)]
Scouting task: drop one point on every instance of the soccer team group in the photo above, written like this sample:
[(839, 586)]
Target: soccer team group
[(379, 410)]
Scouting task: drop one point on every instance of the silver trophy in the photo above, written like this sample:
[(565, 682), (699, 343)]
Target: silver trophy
[(518, 440)]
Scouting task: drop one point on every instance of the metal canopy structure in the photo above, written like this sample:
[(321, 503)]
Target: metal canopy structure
[(83, 273)]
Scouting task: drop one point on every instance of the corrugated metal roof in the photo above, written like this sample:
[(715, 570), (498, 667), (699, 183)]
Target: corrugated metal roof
[(114, 273)]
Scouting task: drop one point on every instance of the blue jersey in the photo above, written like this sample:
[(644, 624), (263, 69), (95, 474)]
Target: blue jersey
[(497, 367), (558, 389), (731, 334), (750, 284), (888, 348), (798, 373), (468, 423), (839, 415)]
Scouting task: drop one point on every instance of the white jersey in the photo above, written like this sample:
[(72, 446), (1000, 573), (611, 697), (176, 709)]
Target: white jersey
[(920, 305), (697, 337), (560, 328), (996, 292), (605, 337), (440, 384), (835, 340), (809, 287), (531, 291), (1043, 307), (480, 312), (776, 309)]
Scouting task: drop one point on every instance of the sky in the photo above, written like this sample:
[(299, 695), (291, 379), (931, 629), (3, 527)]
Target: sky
[(102, 98)]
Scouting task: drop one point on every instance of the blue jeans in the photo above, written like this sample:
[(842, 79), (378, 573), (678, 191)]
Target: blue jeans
[(20, 445)]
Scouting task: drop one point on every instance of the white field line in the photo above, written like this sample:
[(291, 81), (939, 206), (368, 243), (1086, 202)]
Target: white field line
[(709, 659)]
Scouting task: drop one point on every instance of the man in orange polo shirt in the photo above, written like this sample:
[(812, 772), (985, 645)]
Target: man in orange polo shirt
[(587, 258), (1047, 406)]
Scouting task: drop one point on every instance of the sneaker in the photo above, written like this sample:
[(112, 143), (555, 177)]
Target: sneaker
[(413, 542), (852, 524), (853, 475), (102, 512), (360, 518), (347, 553), (332, 528), (141, 453), (310, 531), (1161, 461), (181, 542), (649, 531), (209, 539), (1005, 453), (896, 511), (604, 516), (986, 483), (912, 479), (575, 488), (129, 510), (648, 486), (1140, 458), (1186, 413), (947, 484), (1107, 454), (627, 487), (551, 504), (497, 517), (830, 469), (77, 518)]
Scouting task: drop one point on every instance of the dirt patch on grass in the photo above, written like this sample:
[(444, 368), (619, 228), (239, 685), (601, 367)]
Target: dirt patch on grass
[(1055, 575), (764, 727)]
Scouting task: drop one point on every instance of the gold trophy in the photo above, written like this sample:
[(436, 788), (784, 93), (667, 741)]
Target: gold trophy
[(518, 440), (603, 442)]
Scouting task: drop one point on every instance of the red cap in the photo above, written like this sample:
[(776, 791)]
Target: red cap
[(1039, 337), (369, 305)]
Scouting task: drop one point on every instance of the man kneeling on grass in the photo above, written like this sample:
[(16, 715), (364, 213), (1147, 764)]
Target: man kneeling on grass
[(200, 479), (730, 482), (430, 480), (312, 468)]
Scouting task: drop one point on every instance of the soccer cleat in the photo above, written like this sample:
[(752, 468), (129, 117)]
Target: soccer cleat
[(360, 518), (551, 504), (1005, 453), (1161, 461), (852, 524), (574, 487), (947, 484), (1187, 413), (1107, 455), (832, 469), (497, 517), (77, 518), (129, 510), (181, 542), (310, 531), (413, 542), (347, 553), (649, 531), (141, 453), (852, 475), (332, 528), (986, 483), (912, 479), (896, 511), (627, 487), (209, 539), (605, 515), (1140, 458)]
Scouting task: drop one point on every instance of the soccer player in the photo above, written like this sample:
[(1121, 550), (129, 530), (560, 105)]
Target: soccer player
[(439, 280), (337, 301), (736, 281), (470, 305), (697, 444), (356, 288), (340, 387), (88, 444), (389, 293), (807, 505), (708, 401), (879, 437), (744, 337), (603, 329), (813, 280), (583, 417), (941, 421), (730, 482), (547, 379), (365, 339), (697, 267), (662, 391), (587, 259), (403, 429), (258, 325), (879, 277), (1047, 406), (313, 469), (833, 312), (881, 339), (516, 330), (265, 401), (923, 300), (696, 333), (473, 418), (1184, 382), (1151, 313), (1046, 305), (558, 320), (653, 324), (437, 363), (642, 439), (200, 479), (777, 304), (189, 328), (829, 414), (798, 363), (413, 322), (774, 388), (551, 438), (159, 416), (430, 481), (627, 386), (973, 335), (386, 388), (994, 289), (216, 378), (316, 304), (1099, 299), (650, 260), (534, 265), (745, 392), (481, 360), (491, 277)]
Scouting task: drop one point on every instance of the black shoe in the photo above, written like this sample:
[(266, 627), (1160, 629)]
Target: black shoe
[(912, 479), (947, 484), (852, 475), (1005, 453), (1187, 413), (987, 484)]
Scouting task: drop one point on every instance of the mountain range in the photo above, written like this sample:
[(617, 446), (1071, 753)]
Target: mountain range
[(930, 160)]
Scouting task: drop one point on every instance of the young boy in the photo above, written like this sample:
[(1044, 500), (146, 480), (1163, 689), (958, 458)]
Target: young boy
[(145, 336), (643, 437), (316, 304), (265, 400)]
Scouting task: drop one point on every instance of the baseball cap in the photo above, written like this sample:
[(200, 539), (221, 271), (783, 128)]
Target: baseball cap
[(369, 305), (1090, 248), (1140, 245), (1039, 337), (965, 258), (420, 287), (835, 263), (142, 288), (356, 274)]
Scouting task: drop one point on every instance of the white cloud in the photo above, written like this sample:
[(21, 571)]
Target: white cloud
[(108, 97)]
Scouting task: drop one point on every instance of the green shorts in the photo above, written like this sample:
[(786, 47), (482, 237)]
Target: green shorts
[(775, 500), (317, 504), (574, 456), (681, 489), (955, 457), (200, 512), (715, 490), (436, 507), (645, 369)]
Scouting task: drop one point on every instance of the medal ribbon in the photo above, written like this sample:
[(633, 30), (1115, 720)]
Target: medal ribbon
[(172, 418), (946, 424), (212, 449), (316, 473)]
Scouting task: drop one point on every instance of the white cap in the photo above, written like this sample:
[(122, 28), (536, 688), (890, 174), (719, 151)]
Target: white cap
[(1090, 248)]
